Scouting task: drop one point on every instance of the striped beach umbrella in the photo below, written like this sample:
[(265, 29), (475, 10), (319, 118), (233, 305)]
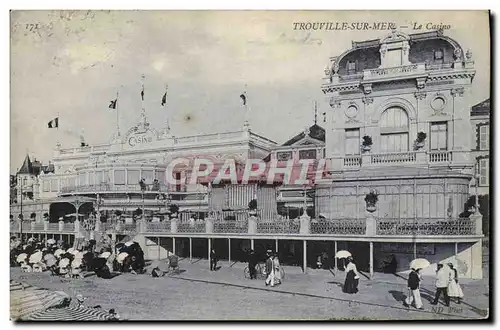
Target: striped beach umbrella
[(14, 286), (69, 314), (26, 302)]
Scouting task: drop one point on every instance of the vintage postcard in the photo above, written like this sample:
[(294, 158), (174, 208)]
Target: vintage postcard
[(249, 165)]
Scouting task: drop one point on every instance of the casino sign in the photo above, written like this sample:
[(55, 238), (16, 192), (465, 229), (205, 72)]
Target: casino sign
[(140, 135)]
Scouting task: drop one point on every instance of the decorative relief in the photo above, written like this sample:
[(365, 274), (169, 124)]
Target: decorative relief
[(335, 103), (367, 88), (468, 55), (421, 82), (438, 103), (284, 156), (457, 91), (457, 54), (420, 95), (367, 100), (351, 112)]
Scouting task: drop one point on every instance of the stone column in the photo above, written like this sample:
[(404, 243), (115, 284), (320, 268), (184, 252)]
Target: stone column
[(304, 260), (209, 225), (32, 225), (477, 260), (371, 260), (77, 226), (173, 225), (61, 225), (252, 225), (305, 224), (477, 218), (45, 225), (190, 249), (173, 245), (371, 225)]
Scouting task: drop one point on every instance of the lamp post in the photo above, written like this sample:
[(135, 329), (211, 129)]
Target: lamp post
[(21, 186)]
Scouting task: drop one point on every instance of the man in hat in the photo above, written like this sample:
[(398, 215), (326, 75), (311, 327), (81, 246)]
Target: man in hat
[(269, 268), (113, 315), (443, 279), (252, 262), (79, 300), (414, 289)]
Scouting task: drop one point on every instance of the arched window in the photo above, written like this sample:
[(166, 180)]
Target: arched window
[(394, 130)]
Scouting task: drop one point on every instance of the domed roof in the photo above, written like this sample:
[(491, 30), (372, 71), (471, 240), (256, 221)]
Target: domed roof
[(366, 54)]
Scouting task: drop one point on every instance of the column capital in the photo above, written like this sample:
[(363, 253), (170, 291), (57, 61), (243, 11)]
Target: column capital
[(457, 92), (335, 103), (420, 95), (367, 100)]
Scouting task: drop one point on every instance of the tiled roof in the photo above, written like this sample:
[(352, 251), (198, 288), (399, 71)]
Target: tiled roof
[(315, 131), (27, 167), (482, 108)]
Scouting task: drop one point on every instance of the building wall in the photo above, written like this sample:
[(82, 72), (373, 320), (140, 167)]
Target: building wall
[(423, 198)]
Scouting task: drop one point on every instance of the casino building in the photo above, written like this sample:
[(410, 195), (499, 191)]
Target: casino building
[(396, 180)]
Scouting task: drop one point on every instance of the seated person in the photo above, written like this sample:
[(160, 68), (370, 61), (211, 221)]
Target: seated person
[(390, 264), (26, 267), (156, 272)]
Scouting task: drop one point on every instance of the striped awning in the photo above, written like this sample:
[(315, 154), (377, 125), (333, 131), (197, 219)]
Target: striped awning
[(15, 286), (69, 314), (32, 300)]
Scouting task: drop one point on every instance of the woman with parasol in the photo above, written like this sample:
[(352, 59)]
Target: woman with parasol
[(351, 277)]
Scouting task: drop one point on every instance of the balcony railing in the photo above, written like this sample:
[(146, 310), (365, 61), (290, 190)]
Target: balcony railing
[(229, 226), (354, 227), (352, 161), (394, 157), (439, 156), (339, 227), (158, 227), (114, 188), (408, 227), (278, 227), (196, 227)]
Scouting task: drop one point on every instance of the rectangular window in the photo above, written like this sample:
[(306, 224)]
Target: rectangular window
[(160, 175), (133, 177), (395, 142), (307, 154), (46, 185), (352, 143), (99, 178), (438, 55), (178, 181), (91, 178), (439, 136), (53, 185), (284, 156), (484, 168), (119, 177), (148, 176), (351, 67), (484, 137)]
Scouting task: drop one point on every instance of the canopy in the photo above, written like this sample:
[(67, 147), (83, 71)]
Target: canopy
[(26, 302), (69, 314)]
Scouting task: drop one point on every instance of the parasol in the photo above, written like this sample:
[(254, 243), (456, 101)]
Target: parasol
[(22, 257), (50, 260), (419, 263), (74, 215), (105, 255), (51, 241), (36, 257), (59, 252), (122, 257), (64, 263), (71, 250), (129, 243), (76, 263), (342, 254)]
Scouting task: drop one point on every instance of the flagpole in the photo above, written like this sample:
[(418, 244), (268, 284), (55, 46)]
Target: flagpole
[(57, 128), (246, 123), (117, 116), (143, 110), (166, 108)]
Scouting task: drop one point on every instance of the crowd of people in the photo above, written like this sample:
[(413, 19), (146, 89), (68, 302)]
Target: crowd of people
[(446, 284), (59, 259)]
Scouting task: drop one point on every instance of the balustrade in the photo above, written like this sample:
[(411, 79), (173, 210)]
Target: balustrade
[(394, 157), (439, 156), (403, 227), (158, 227), (278, 227), (352, 161), (194, 227), (231, 226), (339, 227)]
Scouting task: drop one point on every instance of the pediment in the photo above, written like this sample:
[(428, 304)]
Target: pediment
[(306, 141)]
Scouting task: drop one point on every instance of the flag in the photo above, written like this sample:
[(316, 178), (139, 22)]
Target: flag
[(243, 98), (54, 123), (164, 99), (112, 104), (142, 93)]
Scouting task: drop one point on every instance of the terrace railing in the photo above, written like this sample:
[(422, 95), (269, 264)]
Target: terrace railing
[(409, 227), (339, 227)]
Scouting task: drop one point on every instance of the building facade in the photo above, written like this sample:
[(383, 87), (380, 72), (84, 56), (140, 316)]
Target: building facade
[(480, 122), (396, 180)]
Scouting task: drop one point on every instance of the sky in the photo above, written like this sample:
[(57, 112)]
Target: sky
[(71, 64)]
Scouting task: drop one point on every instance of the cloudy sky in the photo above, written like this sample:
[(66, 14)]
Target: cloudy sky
[(73, 64)]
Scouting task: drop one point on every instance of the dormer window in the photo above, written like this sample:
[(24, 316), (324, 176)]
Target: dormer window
[(438, 55), (351, 67)]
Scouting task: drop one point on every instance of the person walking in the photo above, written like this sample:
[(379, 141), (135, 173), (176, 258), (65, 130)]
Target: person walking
[(442, 281), (252, 263), (454, 289), (277, 269), (269, 269), (414, 280), (351, 278), (213, 260)]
